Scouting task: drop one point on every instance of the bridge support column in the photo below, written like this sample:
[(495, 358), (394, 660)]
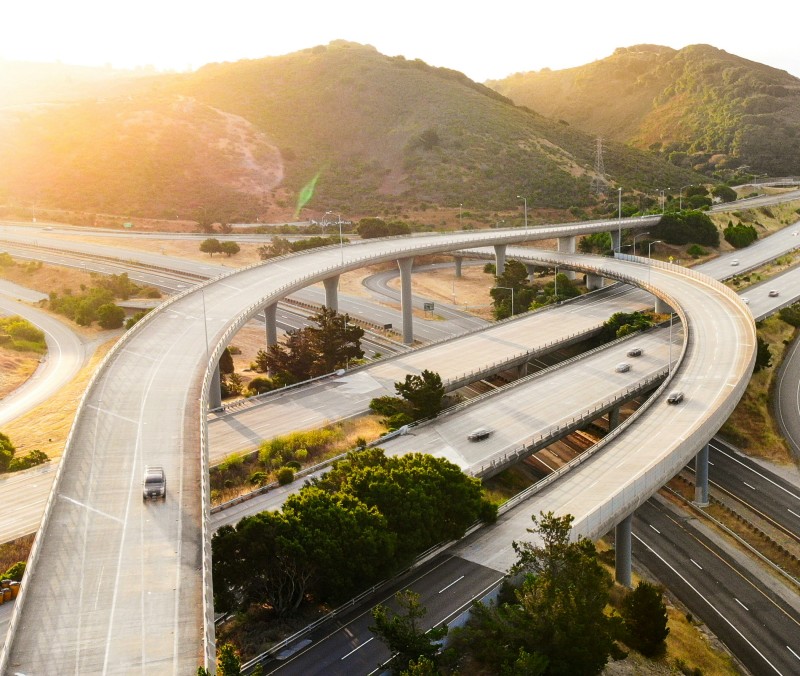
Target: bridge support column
[(615, 240), (332, 292), (522, 370), (613, 418), (622, 551), (458, 260), (270, 314), (593, 282), (215, 391), (567, 245), (530, 268), (499, 259), (701, 477), (405, 265), (662, 307)]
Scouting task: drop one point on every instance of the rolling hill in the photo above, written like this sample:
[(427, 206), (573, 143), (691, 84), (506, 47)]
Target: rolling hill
[(699, 107), (381, 135)]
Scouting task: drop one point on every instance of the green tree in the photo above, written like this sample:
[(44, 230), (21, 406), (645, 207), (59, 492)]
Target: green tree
[(596, 243), (424, 392), (229, 248), (791, 314), (211, 246), (226, 362), (740, 235), (110, 316), (685, 227), (7, 451), (278, 246), (724, 193), (624, 323), (228, 663), (515, 276), (402, 632), (645, 616), (336, 340), (763, 355)]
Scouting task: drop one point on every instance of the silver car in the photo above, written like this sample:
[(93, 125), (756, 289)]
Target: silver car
[(154, 484)]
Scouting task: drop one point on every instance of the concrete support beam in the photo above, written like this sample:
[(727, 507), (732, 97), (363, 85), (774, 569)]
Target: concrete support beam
[(567, 245), (593, 282), (332, 292), (405, 265), (701, 477), (459, 260), (661, 307), (522, 370), (613, 418), (270, 314), (530, 268), (215, 391), (499, 258), (622, 551)]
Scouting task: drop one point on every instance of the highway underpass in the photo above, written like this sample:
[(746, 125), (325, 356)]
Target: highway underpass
[(96, 493)]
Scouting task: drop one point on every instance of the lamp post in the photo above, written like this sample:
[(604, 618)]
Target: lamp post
[(524, 199), (649, 264), (511, 289), (650, 244), (341, 241), (619, 221), (663, 199), (555, 285), (497, 225), (680, 196), (325, 219), (669, 366), (461, 216), (641, 234)]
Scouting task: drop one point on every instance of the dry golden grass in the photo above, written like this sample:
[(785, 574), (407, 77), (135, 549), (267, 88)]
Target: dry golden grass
[(751, 425), (46, 427), (46, 278), (15, 369), (15, 551)]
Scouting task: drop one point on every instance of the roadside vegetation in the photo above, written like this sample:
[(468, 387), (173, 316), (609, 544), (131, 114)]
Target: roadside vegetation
[(11, 462)]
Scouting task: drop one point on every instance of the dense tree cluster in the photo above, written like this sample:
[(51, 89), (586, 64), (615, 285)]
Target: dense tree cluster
[(280, 246), (515, 276), (19, 334), (313, 350), (10, 463), (624, 323), (421, 396), (367, 517), (740, 235), (212, 245), (685, 227), (554, 622), (645, 616), (369, 228), (595, 243)]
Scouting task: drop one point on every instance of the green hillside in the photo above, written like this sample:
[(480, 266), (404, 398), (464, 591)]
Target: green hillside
[(699, 107), (383, 136)]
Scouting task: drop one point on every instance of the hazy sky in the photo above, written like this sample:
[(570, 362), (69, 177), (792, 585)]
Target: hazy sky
[(485, 40)]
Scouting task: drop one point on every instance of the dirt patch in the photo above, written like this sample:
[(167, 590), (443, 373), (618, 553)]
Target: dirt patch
[(46, 427), (15, 369)]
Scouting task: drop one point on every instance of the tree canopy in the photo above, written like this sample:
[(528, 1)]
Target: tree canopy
[(686, 227)]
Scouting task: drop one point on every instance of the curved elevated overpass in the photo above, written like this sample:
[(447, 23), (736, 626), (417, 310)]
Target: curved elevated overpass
[(138, 574)]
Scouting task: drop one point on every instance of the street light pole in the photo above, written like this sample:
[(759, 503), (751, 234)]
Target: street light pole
[(669, 366), (341, 241), (461, 216), (511, 289), (524, 199), (649, 263), (325, 220), (641, 234), (619, 221)]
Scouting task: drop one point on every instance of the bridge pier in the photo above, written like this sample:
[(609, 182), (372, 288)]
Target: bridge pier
[(332, 292), (270, 315), (522, 370), (499, 259), (458, 260), (615, 240), (405, 265), (701, 477), (530, 268), (215, 390), (662, 307), (613, 418), (593, 281), (622, 551), (567, 245)]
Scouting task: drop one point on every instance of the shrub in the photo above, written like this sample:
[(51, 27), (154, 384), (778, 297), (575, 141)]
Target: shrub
[(15, 572), (695, 251), (285, 475)]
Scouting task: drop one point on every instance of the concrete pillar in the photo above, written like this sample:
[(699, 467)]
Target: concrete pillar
[(615, 243), (332, 292), (661, 307), (567, 245), (458, 260), (530, 268), (522, 370), (593, 282), (270, 313), (215, 393), (613, 418), (701, 477), (405, 265), (622, 551), (499, 259)]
